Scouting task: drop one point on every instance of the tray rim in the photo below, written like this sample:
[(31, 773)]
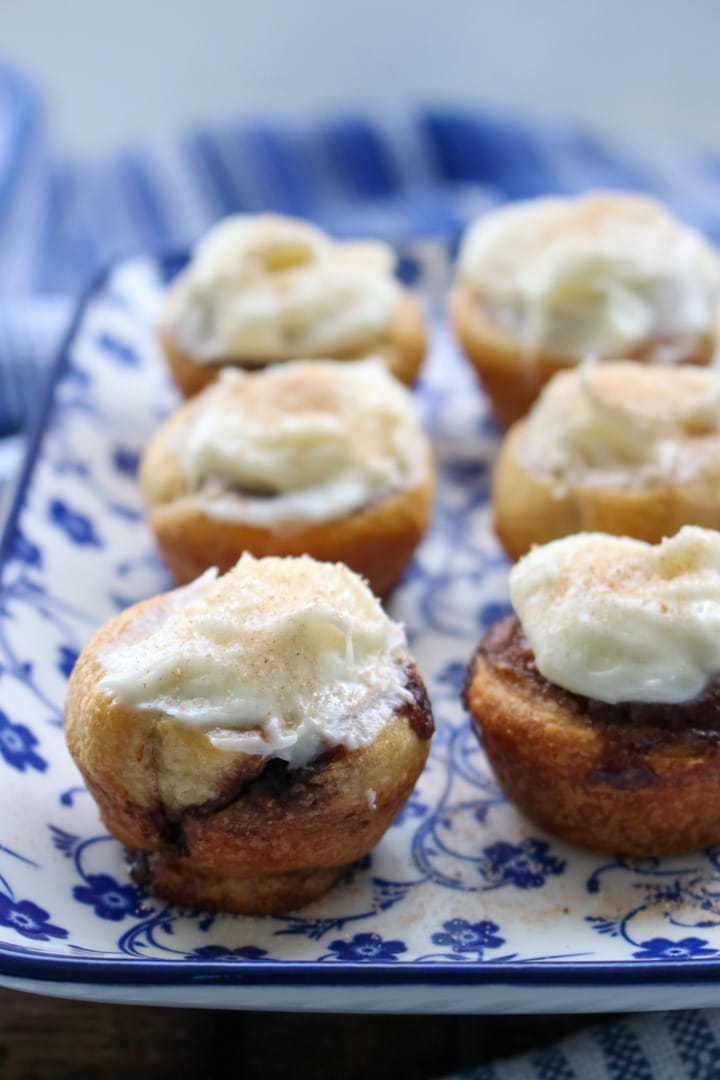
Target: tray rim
[(39, 967)]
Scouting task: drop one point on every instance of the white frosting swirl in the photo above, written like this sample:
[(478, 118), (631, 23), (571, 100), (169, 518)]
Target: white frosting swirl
[(279, 657), (598, 274), (263, 288), (302, 442), (623, 423), (620, 620)]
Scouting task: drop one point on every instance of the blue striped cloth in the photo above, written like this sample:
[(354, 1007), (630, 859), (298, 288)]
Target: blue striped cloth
[(683, 1045)]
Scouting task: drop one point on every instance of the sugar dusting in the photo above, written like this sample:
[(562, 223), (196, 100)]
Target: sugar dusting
[(301, 442), (599, 273), (266, 287), (620, 620), (281, 657), (624, 424)]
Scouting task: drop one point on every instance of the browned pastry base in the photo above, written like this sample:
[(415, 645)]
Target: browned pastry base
[(171, 877), (402, 348), (631, 780), (529, 508), (377, 542), (511, 380), (227, 830)]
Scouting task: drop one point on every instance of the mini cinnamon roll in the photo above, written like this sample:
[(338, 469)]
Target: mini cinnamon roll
[(316, 458), (545, 283), (598, 704), (249, 737), (262, 289), (620, 448)]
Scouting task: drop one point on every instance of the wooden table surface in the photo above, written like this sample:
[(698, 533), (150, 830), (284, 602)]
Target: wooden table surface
[(69, 1040)]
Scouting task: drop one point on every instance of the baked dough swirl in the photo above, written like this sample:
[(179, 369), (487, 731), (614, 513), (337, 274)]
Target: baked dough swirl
[(249, 737), (598, 704), (263, 289), (317, 458), (543, 284)]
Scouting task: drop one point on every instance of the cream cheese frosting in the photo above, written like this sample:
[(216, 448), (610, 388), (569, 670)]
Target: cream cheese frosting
[(262, 287), (279, 657), (597, 274), (619, 620), (623, 423), (301, 443)]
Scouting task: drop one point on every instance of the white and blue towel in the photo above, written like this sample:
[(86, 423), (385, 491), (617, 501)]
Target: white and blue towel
[(683, 1045)]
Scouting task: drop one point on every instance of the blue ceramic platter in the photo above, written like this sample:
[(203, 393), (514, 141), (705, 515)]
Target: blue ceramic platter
[(463, 907)]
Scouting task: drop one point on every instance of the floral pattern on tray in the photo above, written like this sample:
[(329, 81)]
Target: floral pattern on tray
[(460, 877)]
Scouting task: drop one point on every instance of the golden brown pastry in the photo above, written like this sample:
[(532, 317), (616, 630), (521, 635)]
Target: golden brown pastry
[(598, 705), (263, 289), (316, 458), (621, 448), (251, 736), (543, 284)]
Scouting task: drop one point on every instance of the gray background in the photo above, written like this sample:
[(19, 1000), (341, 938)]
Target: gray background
[(119, 71)]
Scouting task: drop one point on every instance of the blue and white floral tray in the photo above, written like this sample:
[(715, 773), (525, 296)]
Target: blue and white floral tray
[(464, 906)]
